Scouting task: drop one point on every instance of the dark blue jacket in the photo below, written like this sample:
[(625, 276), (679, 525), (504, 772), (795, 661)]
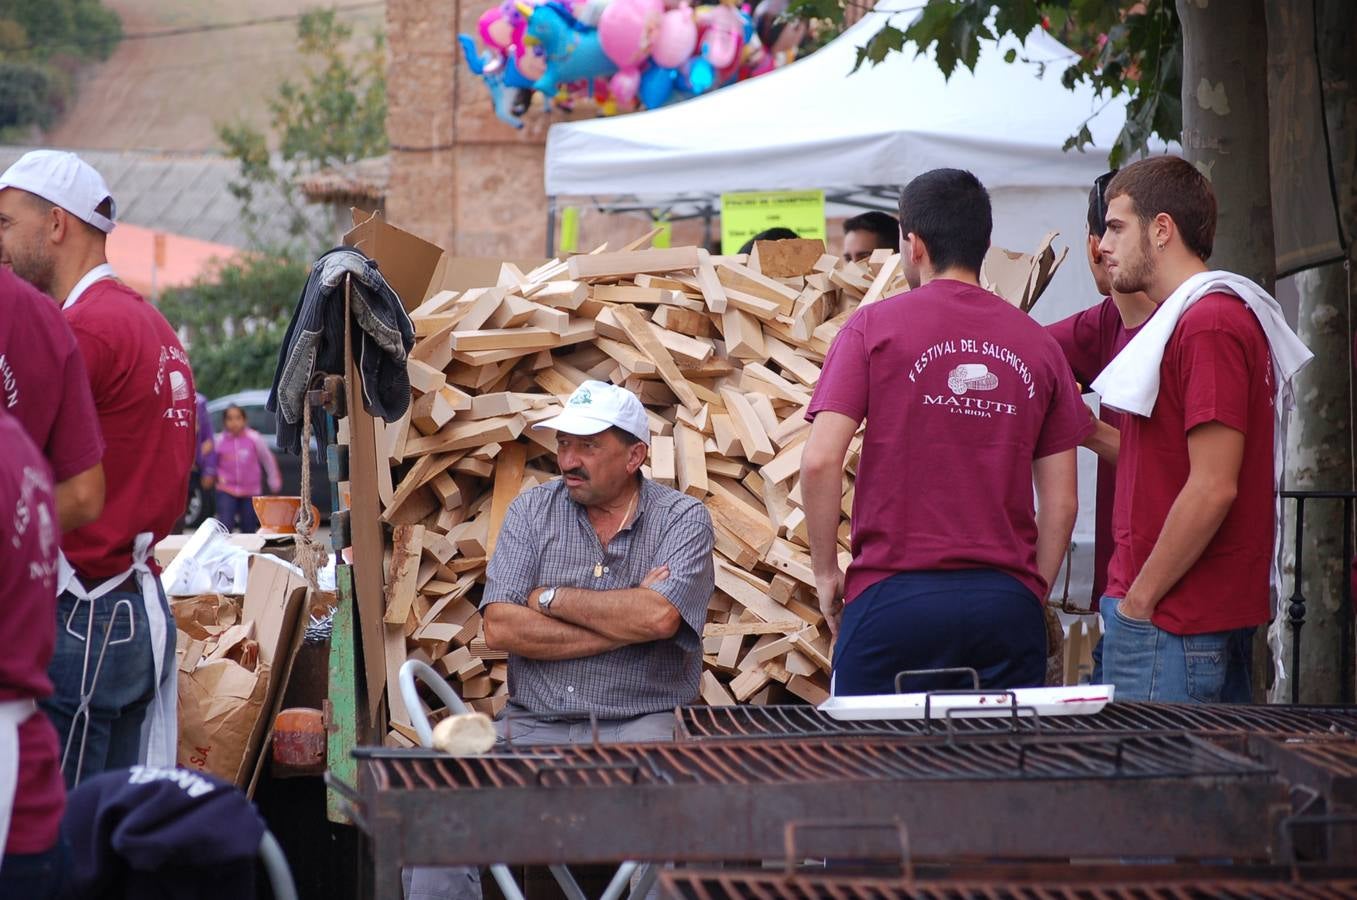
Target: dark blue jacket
[(382, 337)]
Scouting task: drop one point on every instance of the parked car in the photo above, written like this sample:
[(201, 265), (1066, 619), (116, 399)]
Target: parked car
[(262, 421)]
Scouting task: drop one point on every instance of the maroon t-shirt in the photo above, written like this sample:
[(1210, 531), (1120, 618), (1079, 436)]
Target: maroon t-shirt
[(1090, 339), (961, 392), (43, 381), (1216, 368), (143, 392), (29, 538)]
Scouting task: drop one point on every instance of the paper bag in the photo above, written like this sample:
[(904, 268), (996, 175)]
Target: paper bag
[(223, 688)]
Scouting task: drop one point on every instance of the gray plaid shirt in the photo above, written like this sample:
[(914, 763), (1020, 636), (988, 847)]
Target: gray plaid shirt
[(547, 541)]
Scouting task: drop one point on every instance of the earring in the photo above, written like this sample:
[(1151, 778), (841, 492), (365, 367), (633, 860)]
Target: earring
[(1161, 247)]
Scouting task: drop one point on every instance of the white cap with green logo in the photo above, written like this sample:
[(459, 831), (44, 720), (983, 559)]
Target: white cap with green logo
[(595, 407)]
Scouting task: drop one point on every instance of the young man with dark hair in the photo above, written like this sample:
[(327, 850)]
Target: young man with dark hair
[(1090, 339), (56, 212), (868, 232), (1206, 388), (968, 403)]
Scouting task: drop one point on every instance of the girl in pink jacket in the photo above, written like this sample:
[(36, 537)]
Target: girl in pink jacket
[(241, 451)]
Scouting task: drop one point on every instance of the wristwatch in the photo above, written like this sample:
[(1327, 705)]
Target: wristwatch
[(544, 601)]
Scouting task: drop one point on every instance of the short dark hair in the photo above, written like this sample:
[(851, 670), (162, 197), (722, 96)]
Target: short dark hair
[(628, 439), (948, 209), (885, 226), (771, 234), (1173, 186), (1097, 204)]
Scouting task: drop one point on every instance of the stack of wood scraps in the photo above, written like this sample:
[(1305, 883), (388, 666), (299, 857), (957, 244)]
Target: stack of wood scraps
[(724, 356), (723, 351)]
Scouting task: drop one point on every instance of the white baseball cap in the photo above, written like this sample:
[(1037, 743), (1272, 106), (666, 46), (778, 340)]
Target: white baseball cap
[(595, 407), (64, 179)]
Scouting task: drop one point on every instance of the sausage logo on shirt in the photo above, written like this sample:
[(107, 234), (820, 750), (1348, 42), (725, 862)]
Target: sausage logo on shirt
[(173, 373), (968, 377)]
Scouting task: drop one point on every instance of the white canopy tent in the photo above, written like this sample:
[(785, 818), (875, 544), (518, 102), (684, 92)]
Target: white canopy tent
[(813, 125)]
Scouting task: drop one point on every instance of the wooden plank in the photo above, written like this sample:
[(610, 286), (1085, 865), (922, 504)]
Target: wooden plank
[(713, 692), (501, 339), (406, 547), (430, 412), (683, 321), (366, 530), (757, 448), (792, 363), (633, 262), (747, 683), (459, 435), (713, 291), (784, 626), (424, 377), (508, 477), (786, 258), (643, 335), (561, 294), (744, 337), (883, 278), (690, 461), (807, 690), (642, 296), (748, 281), (662, 461), (628, 356)]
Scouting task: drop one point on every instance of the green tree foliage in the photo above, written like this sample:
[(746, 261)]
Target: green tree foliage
[(1131, 47), (42, 43), (234, 320), (336, 114)]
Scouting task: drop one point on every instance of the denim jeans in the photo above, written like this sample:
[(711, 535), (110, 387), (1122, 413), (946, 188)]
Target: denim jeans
[(236, 512), (1147, 663), (34, 876), (125, 686)]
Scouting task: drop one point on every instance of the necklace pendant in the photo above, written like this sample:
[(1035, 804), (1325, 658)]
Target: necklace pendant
[(598, 570)]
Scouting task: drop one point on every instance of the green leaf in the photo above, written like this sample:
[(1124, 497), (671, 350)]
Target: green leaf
[(1010, 55)]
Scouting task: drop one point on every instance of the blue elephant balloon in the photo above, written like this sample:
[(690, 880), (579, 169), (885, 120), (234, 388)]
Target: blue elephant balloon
[(657, 86), (572, 49), (490, 66)]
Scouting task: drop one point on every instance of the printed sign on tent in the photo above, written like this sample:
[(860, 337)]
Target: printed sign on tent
[(745, 215)]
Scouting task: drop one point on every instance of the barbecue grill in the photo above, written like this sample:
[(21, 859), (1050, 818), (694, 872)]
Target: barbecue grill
[(1131, 795), (721, 885), (741, 722)]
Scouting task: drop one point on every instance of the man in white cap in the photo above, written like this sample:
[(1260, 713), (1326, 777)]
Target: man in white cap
[(598, 590), (599, 584), (55, 215)]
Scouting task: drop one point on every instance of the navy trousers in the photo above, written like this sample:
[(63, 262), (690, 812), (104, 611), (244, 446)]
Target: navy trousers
[(974, 618)]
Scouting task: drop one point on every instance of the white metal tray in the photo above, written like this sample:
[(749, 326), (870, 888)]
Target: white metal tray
[(1080, 700)]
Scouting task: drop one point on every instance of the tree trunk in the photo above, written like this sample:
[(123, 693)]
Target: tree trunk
[(1320, 452), (1225, 127)]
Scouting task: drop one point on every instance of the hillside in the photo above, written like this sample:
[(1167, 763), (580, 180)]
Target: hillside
[(168, 93)]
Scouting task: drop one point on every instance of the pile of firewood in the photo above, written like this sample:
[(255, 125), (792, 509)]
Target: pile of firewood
[(723, 351)]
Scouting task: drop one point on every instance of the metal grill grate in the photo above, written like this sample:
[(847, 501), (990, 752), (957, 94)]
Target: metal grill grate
[(722, 886), (812, 761), (709, 722)]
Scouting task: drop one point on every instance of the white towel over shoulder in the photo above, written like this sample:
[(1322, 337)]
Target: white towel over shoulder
[(1131, 381)]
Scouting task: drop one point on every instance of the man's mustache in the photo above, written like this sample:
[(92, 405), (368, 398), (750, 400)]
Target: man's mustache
[(576, 473)]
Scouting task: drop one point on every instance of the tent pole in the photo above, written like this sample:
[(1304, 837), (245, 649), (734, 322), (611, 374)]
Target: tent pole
[(551, 226)]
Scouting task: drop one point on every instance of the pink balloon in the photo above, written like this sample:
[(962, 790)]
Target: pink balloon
[(722, 35), (627, 29), (624, 84), (677, 38)]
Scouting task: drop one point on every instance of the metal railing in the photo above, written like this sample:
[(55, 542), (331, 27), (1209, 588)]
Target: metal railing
[(1296, 607)]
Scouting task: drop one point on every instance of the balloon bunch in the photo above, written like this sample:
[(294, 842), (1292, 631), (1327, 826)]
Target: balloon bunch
[(622, 55)]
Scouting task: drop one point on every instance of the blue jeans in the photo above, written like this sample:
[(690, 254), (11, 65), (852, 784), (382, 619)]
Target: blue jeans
[(974, 618), (34, 876), (237, 512), (125, 686), (1147, 663)]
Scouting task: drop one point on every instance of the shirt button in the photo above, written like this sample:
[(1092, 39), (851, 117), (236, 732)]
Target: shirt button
[(570, 688)]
